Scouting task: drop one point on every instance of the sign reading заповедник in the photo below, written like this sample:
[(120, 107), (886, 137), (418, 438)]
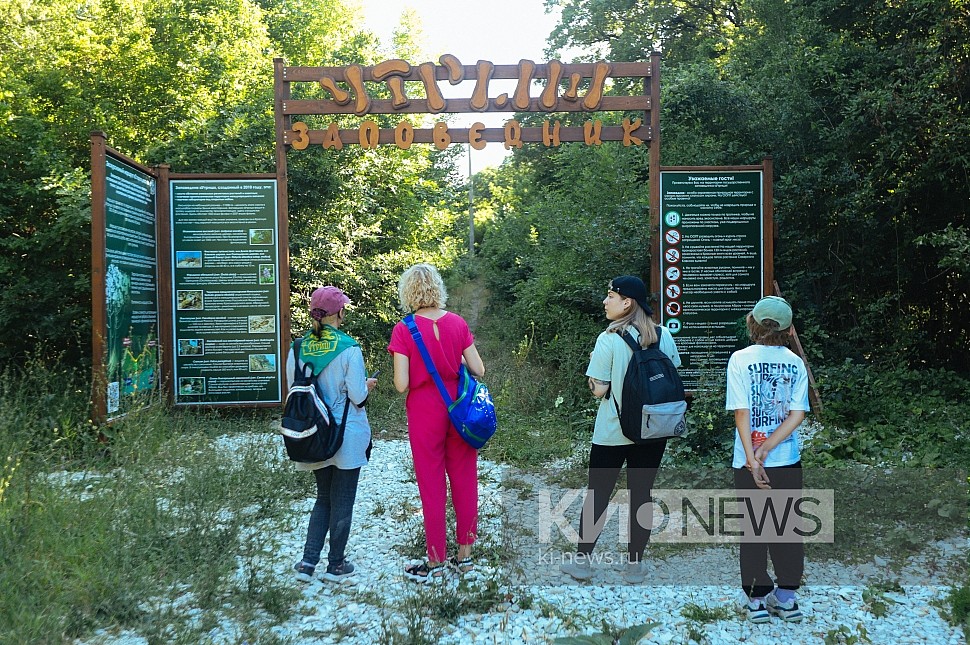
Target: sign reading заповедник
[(572, 87), (131, 336), (226, 309), (711, 262)]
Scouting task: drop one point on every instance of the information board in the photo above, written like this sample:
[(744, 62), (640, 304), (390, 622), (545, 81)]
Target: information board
[(131, 291), (225, 294), (712, 256)]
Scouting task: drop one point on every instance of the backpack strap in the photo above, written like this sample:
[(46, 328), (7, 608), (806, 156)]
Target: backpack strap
[(635, 346), (300, 373), (426, 356)]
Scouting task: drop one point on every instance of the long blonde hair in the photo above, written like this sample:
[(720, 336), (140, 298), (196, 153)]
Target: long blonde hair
[(639, 319)]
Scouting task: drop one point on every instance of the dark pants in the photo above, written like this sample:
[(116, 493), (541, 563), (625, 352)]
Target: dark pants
[(642, 463), (333, 511), (787, 559)]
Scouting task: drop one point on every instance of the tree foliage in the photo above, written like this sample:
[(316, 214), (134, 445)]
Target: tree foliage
[(188, 83), (863, 107)]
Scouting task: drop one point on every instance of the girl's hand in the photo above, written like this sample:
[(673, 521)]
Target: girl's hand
[(762, 453), (757, 470), (371, 384)]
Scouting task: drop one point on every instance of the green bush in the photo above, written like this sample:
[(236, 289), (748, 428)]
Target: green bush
[(892, 415)]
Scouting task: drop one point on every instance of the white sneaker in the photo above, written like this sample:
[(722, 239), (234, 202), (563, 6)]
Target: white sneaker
[(580, 568), (788, 612), (633, 573)]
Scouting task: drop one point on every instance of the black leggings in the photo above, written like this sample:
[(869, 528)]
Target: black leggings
[(642, 463)]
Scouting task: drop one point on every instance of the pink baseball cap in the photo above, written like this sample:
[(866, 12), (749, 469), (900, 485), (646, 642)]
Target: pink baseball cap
[(329, 300)]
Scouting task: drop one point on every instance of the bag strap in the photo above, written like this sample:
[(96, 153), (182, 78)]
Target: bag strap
[(308, 378), (428, 363), (635, 346)]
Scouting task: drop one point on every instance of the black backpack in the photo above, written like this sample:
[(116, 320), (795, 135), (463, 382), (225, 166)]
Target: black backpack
[(654, 403), (310, 431)]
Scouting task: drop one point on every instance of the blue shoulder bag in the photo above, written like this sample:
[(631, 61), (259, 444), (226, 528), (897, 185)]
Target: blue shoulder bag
[(472, 411)]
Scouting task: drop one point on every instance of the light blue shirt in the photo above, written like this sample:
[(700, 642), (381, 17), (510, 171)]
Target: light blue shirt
[(344, 376)]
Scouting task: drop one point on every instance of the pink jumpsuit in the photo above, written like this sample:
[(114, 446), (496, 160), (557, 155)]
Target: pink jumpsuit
[(436, 447)]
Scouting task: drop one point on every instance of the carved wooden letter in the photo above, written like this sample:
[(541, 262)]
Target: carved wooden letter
[(479, 100), (340, 97), (550, 137), (369, 134), (456, 71), (475, 135), (595, 94), (592, 131), (302, 140), (355, 77), (521, 98), (436, 102), (440, 134), (513, 134), (404, 135), (394, 70), (331, 137), (549, 96), (628, 130)]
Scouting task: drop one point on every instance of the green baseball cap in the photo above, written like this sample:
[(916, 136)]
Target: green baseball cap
[(773, 308)]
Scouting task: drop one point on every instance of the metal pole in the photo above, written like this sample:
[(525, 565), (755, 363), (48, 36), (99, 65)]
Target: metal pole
[(471, 206)]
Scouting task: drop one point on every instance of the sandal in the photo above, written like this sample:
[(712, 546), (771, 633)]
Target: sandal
[(465, 565), (423, 574)]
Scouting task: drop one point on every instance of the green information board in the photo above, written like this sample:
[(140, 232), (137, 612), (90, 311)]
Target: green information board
[(711, 262), (131, 292), (225, 295)]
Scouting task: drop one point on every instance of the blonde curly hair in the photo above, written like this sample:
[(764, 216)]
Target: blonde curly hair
[(421, 286)]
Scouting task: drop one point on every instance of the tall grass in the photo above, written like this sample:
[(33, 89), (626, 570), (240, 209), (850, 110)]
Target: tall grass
[(96, 533)]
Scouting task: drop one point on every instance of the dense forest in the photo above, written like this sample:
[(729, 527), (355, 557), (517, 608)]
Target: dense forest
[(862, 105)]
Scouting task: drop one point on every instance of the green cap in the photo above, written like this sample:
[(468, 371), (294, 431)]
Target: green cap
[(773, 308)]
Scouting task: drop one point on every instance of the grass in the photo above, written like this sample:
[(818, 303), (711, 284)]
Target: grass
[(156, 511)]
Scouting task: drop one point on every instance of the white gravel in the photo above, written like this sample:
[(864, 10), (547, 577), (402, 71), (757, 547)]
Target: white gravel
[(540, 605)]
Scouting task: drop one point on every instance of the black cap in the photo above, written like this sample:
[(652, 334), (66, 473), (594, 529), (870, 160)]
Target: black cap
[(632, 287)]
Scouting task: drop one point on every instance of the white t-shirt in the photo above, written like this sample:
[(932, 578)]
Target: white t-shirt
[(609, 361), (770, 382)]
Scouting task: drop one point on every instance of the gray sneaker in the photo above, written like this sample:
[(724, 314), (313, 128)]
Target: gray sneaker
[(633, 573), (788, 612), (339, 572), (757, 612), (580, 568)]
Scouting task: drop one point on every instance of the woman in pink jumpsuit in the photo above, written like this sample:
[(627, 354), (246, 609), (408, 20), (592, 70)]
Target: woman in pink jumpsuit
[(436, 447)]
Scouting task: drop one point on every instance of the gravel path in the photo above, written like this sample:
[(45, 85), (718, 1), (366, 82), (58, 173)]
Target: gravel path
[(538, 604)]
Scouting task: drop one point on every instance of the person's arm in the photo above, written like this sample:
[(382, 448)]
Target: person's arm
[(792, 421), (473, 361), (402, 378), (290, 369), (742, 420), (669, 347), (358, 385), (598, 387)]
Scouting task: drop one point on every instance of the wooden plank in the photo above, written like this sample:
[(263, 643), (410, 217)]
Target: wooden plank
[(163, 247), (456, 106), (99, 305), (617, 70), (652, 90)]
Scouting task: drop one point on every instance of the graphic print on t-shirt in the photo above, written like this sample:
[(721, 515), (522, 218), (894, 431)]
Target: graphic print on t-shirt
[(771, 392)]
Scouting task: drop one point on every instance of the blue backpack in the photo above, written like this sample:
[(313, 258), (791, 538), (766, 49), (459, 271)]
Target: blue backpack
[(472, 411)]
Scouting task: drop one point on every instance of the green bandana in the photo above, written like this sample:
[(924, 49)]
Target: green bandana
[(318, 352)]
